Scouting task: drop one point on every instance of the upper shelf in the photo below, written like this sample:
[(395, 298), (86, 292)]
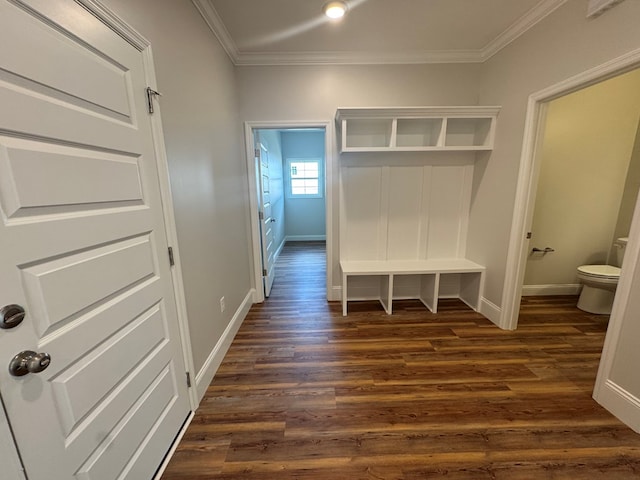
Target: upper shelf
[(416, 129)]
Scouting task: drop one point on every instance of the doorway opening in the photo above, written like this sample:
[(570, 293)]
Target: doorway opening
[(606, 392), (587, 184), (289, 169), (533, 174)]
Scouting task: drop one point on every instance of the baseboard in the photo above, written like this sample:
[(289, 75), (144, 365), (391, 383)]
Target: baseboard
[(558, 289), (491, 311), (621, 403), (208, 370), (305, 238), (334, 294), (279, 250)]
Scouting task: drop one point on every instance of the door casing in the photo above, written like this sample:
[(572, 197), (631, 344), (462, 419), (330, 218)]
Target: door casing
[(255, 248), (619, 402), (117, 24)]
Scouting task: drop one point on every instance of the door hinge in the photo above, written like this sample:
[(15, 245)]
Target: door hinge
[(264, 272), (260, 216), (172, 260), (150, 94), (188, 380), (528, 235), (256, 152)]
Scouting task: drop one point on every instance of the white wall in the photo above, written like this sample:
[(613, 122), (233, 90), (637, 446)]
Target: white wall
[(199, 107), (272, 140), (584, 158), (304, 217), (313, 93)]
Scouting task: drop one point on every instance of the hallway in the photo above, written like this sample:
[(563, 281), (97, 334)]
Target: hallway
[(304, 393)]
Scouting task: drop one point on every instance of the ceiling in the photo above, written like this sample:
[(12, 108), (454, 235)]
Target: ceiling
[(290, 32)]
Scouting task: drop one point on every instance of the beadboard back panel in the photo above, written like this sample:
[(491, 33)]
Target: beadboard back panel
[(405, 212)]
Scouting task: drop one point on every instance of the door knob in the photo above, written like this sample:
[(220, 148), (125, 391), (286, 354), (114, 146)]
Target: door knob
[(11, 316), (28, 362)]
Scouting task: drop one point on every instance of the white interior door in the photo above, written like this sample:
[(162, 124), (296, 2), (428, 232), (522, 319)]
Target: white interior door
[(266, 218), (84, 251)]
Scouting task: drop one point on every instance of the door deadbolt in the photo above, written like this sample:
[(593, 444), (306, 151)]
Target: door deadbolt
[(11, 316), (29, 362)]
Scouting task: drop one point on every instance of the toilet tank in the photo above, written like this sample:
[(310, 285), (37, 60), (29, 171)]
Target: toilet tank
[(621, 246)]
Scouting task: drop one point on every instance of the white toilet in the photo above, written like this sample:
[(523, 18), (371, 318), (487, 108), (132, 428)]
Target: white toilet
[(599, 283)]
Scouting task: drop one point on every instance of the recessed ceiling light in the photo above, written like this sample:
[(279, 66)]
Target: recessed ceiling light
[(335, 9)]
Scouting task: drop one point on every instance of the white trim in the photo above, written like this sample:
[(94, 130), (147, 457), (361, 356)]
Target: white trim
[(279, 249), (538, 13), (621, 403), (217, 26), (358, 58), (450, 111), (210, 367), (595, 8), (511, 33), (335, 294), (557, 289), (602, 391), (113, 21), (490, 310), (254, 248), (174, 447), (305, 238), (527, 178)]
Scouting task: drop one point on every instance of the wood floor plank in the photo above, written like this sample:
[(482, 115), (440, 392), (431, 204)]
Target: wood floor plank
[(305, 393)]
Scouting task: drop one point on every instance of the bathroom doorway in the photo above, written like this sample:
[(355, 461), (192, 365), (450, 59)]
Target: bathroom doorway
[(588, 161)]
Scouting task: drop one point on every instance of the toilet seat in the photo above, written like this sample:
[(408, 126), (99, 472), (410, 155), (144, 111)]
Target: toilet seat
[(607, 272)]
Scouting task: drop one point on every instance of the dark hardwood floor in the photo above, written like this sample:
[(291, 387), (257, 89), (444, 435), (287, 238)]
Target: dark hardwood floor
[(304, 393)]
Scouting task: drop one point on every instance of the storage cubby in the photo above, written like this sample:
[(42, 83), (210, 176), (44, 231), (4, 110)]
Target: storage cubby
[(427, 275), (468, 132), (418, 132), (404, 217), (368, 133), (416, 128)]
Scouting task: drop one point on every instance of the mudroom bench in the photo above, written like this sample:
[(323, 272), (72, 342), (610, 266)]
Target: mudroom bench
[(421, 279)]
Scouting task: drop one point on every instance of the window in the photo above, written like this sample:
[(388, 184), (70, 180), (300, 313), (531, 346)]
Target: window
[(304, 178)]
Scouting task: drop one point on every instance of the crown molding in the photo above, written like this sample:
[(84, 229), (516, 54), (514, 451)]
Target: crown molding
[(520, 26), (358, 58), (515, 30), (217, 26)]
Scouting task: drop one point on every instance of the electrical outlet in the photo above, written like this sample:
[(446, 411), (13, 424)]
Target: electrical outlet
[(222, 305)]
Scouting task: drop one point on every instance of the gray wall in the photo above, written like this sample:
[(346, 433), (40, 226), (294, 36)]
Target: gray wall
[(313, 93), (304, 217), (202, 130), (564, 44)]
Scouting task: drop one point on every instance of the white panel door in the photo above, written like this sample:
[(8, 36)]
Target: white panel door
[(266, 219), (84, 251)]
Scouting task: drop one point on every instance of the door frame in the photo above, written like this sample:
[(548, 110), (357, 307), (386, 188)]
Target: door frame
[(118, 25), (254, 247), (606, 392), (528, 180)]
